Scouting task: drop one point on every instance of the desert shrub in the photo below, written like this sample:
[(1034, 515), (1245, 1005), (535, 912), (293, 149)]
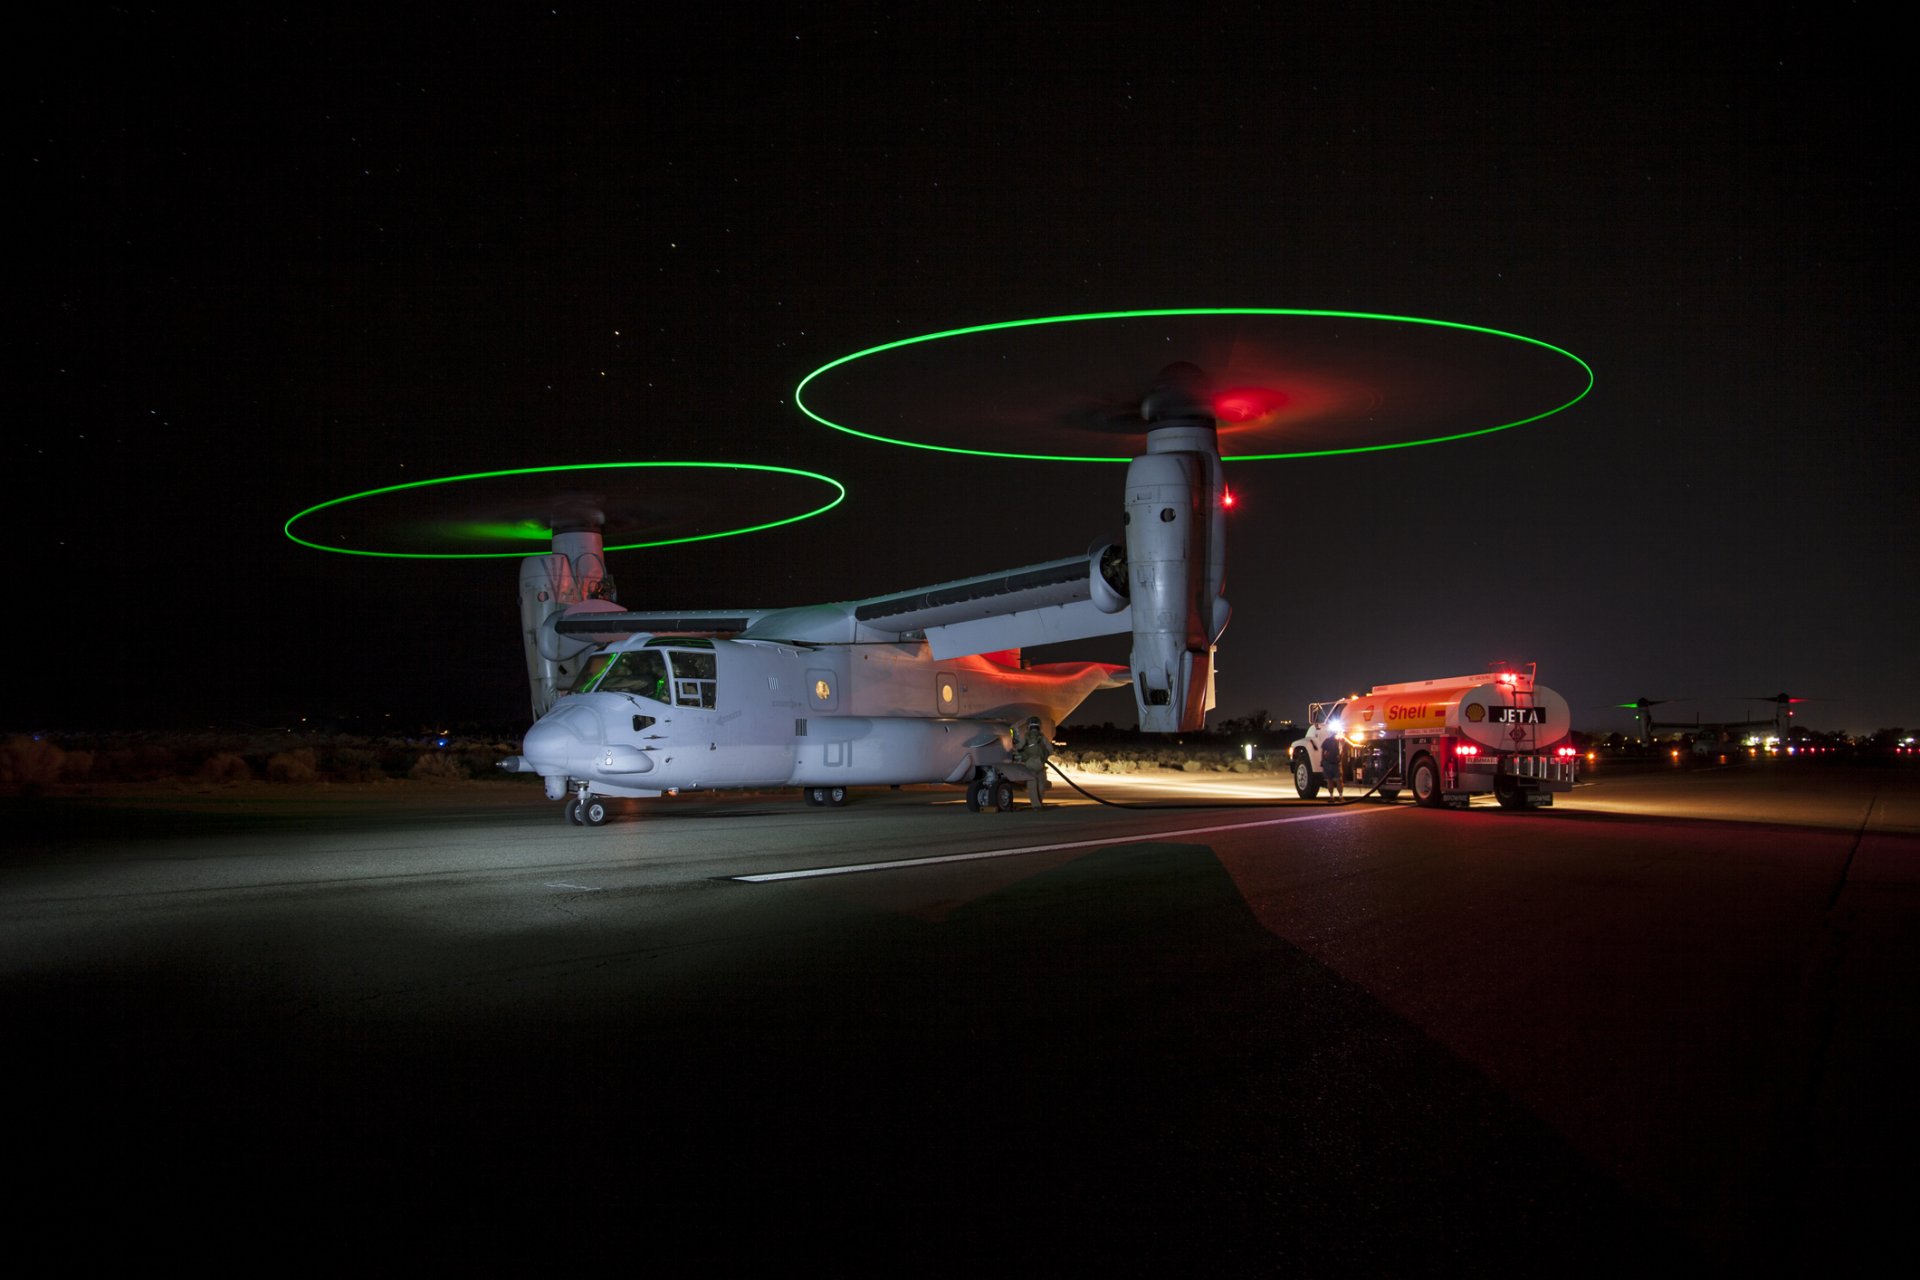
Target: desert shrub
[(224, 767), (297, 765), (30, 762), (436, 766), (144, 762), (354, 764)]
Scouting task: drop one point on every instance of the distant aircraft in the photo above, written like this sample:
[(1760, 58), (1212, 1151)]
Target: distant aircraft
[(1713, 738)]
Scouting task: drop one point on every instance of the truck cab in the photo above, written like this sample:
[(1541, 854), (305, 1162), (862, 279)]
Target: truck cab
[(1327, 720)]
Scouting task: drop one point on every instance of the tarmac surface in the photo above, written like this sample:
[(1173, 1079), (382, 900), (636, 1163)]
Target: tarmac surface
[(1671, 1021)]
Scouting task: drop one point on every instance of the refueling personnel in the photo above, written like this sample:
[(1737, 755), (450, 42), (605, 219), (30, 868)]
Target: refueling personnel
[(1032, 753)]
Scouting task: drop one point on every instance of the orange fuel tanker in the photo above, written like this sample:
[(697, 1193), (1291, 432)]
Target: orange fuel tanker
[(1445, 740)]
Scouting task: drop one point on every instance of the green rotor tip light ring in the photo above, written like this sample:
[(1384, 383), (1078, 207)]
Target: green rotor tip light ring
[(800, 390), (525, 532)]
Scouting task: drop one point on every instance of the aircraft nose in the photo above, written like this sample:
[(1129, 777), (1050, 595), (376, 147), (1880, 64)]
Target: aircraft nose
[(557, 737)]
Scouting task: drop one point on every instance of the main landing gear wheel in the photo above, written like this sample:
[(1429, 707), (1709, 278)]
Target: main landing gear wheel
[(1426, 784), (1507, 791), (977, 797), (590, 811), (836, 796), (1003, 796), (1303, 780)]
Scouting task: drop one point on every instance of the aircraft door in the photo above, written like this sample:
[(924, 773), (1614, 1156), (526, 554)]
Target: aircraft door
[(946, 693)]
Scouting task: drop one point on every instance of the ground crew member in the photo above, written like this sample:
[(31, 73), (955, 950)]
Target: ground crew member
[(1032, 753), (1331, 752)]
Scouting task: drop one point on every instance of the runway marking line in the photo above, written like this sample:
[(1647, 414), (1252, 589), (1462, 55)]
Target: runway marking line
[(584, 888), (812, 873)]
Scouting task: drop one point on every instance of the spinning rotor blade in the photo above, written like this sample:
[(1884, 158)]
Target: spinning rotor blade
[(535, 518), (510, 513), (1285, 383), (1182, 389)]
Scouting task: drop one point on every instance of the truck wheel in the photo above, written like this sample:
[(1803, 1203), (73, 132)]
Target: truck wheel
[(1426, 783), (1303, 780), (1508, 792)]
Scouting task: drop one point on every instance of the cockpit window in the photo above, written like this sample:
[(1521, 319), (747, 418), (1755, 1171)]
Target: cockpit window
[(590, 672), (694, 679), (644, 672), (638, 671)]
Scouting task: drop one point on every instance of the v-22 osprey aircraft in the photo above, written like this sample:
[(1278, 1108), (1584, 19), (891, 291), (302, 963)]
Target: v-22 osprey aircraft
[(920, 686)]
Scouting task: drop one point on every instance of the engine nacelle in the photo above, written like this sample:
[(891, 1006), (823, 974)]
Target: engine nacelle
[(575, 571), (1176, 570)]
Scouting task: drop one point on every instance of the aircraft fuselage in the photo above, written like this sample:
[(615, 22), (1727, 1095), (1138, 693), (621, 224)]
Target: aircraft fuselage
[(667, 713)]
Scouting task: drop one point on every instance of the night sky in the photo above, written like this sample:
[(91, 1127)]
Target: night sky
[(273, 260)]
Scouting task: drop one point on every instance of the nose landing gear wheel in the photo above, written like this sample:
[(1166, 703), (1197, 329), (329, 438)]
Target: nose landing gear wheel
[(1003, 796), (594, 812), (570, 813)]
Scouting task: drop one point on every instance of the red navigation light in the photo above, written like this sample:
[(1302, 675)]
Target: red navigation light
[(1226, 497), (1246, 404)]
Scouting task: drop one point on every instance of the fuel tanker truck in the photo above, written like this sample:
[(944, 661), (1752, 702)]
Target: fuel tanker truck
[(1446, 741)]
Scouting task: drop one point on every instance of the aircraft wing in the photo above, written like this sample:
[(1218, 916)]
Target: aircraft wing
[(1037, 604), (1013, 609), (603, 624)]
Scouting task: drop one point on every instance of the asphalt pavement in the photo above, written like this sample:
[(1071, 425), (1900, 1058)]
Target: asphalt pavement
[(1671, 1020)]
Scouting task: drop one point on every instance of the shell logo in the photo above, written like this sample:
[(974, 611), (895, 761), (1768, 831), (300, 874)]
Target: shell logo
[(1476, 712), (1367, 713)]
